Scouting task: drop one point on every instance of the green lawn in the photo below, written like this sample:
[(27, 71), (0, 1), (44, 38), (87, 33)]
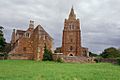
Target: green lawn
[(33, 70)]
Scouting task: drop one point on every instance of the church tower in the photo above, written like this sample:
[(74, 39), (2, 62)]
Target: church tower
[(71, 40)]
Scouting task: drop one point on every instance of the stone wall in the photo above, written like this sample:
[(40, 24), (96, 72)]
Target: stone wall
[(20, 57), (78, 59), (107, 60), (56, 56), (1, 58), (72, 59)]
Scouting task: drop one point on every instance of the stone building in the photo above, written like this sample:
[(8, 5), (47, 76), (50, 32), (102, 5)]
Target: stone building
[(71, 40), (30, 44)]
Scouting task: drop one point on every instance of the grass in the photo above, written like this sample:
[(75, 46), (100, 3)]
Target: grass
[(33, 70)]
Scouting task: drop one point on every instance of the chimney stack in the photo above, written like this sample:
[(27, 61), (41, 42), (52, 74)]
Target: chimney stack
[(31, 25)]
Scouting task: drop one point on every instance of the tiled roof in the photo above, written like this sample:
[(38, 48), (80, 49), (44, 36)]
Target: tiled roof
[(43, 32)]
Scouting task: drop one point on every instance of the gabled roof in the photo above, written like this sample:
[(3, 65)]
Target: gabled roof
[(42, 31)]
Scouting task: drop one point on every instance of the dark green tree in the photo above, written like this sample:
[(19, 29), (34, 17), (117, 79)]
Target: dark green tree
[(4, 47), (92, 54), (2, 40), (47, 56), (110, 53)]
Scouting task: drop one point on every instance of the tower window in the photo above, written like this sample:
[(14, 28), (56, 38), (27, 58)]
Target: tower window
[(24, 48), (72, 26), (71, 40), (71, 48)]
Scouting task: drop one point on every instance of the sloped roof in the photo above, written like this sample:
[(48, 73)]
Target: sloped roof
[(42, 31)]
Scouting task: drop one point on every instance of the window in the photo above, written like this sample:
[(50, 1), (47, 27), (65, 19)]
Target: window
[(44, 37), (24, 48), (27, 35), (71, 48), (72, 26), (71, 40)]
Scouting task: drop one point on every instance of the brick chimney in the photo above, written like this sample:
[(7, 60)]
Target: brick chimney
[(31, 25)]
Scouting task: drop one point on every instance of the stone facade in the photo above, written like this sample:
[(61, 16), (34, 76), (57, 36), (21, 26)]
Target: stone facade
[(73, 59), (71, 40), (30, 44)]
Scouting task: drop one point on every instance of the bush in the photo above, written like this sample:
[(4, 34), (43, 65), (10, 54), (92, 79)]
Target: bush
[(96, 60), (47, 56), (4, 55), (92, 54), (110, 53), (59, 60), (118, 61), (1, 55)]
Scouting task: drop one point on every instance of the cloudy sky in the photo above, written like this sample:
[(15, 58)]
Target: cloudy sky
[(100, 19)]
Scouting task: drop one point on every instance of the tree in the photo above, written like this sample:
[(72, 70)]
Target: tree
[(92, 54), (6, 50), (47, 56), (58, 50), (111, 53), (4, 47), (2, 40)]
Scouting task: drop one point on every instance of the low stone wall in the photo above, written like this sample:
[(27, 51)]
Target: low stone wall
[(107, 60), (57, 56), (78, 59), (1, 58), (73, 59), (20, 56)]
